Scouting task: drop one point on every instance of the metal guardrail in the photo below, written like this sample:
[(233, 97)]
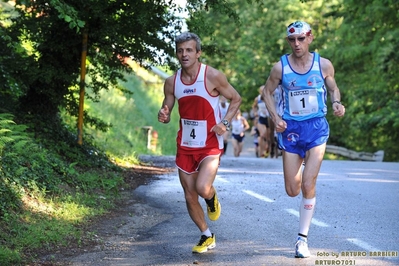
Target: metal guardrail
[(363, 156)]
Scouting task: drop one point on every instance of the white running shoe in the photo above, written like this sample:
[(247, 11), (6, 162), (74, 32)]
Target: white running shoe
[(301, 248)]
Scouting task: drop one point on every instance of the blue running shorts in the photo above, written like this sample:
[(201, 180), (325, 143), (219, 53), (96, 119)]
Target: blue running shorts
[(238, 137), (263, 120), (301, 136)]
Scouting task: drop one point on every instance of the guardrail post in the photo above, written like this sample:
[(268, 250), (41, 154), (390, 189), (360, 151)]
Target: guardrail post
[(147, 131)]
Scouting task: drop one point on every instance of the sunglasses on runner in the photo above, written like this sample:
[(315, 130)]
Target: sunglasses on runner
[(292, 39)]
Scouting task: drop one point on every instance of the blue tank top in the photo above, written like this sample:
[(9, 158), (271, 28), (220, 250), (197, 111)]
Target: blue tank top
[(304, 95)]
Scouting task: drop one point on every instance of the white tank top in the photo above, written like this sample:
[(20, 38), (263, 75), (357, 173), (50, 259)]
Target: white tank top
[(262, 110), (199, 112)]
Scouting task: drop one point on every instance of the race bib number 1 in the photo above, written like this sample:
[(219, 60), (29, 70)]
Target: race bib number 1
[(303, 102), (194, 133)]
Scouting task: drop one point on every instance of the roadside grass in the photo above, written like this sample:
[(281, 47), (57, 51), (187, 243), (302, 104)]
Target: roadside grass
[(45, 198), (46, 223)]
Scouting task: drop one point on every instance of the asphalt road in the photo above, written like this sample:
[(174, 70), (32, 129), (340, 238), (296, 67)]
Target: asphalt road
[(355, 222)]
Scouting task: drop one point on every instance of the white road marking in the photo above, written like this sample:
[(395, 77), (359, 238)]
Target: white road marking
[(219, 178), (362, 244), (366, 246), (258, 196)]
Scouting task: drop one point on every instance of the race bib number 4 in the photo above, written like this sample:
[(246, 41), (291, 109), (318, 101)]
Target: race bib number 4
[(303, 102), (194, 133)]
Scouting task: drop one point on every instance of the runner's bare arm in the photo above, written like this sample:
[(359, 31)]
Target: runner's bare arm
[(168, 101), (329, 79), (217, 84), (272, 83)]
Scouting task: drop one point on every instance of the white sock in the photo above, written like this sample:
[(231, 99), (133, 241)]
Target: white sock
[(207, 232), (306, 211)]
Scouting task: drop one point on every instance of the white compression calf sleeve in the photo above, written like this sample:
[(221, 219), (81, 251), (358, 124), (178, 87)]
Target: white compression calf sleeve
[(306, 211)]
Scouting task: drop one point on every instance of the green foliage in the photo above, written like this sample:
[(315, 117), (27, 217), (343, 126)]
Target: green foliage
[(14, 62), (9, 256), (365, 54), (68, 14), (13, 137), (116, 30)]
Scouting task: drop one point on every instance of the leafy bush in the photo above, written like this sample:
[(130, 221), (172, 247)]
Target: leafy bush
[(13, 141), (47, 183)]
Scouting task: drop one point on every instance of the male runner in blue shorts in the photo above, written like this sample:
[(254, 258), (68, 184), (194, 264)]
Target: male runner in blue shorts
[(302, 128)]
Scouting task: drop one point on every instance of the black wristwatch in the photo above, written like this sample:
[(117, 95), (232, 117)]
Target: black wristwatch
[(226, 123)]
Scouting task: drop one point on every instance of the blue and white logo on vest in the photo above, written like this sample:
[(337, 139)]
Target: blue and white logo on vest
[(189, 90), (315, 81)]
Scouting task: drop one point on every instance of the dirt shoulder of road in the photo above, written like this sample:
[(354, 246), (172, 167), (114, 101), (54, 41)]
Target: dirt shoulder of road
[(122, 223)]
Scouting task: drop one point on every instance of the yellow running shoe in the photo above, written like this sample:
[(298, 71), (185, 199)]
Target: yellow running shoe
[(213, 207), (205, 243)]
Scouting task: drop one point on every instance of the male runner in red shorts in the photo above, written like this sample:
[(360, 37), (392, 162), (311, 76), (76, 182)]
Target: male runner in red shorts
[(197, 88)]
